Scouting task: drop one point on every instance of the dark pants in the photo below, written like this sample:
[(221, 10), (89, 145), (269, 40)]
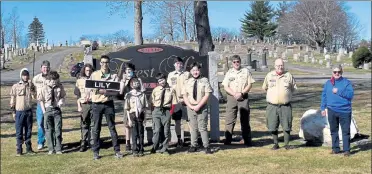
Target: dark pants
[(98, 110), (86, 124), (138, 132), (344, 119), (53, 128), (161, 120), (23, 121), (232, 108)]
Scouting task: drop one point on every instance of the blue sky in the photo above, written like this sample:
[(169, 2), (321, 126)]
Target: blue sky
[(71, 19)]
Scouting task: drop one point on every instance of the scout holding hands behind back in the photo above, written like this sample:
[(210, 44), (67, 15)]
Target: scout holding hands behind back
[(125, 87), (163, 99), (51, 98), (21, 95), (85, 108), (135, 105), (196, 94)]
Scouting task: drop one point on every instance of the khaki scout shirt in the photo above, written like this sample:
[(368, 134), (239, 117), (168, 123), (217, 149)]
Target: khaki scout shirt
[(99, 75), (237, 80), (125, 81), (177, 80), (203, 87), (170, 97), (45, 94), (130, 102), (80, 84), (279, 87), (39, 81), (21, 95)]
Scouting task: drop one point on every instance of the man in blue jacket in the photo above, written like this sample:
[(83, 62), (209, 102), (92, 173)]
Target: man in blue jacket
[(336, 101)]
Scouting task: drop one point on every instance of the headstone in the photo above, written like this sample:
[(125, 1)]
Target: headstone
[(264, 61), (295, 57), (366, 66), (313, 60), (227, 49), (315, 128), (270, 54), (307, 48), (275, 55), (339, 56), (214, 99), (321, 62), (249, 60), (284, 56), (122, 44), (341, 51), (196, 48), (88, 58), (327, 57), (49, 47), (328, 64), (350, 54), (306, 58), (325, 51), (237, 47), (6, 53)]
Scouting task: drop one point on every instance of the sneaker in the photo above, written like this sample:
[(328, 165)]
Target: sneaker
[(334, 152), (207, 150), (153, 151), (141, 153), (275, 147), (40, 146), (18, 153), (347, 154), (59, 152), (289, 147), (118, 155), (30, 152), (50, 152), (96, 156), (192, 149), (135, 154)]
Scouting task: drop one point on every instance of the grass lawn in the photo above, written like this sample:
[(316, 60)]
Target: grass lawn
[(229, 159)]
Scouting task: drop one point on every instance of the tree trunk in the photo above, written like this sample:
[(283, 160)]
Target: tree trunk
[(138, 39), (203, 30)]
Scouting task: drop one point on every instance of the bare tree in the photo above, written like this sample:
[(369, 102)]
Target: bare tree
[(2, 33), (15, 27), (203, 30), (165, 20), (317, 22), (122, 7)]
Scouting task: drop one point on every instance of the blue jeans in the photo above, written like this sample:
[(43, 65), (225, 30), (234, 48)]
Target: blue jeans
[(335, 119), (40, 125), (23, 124)]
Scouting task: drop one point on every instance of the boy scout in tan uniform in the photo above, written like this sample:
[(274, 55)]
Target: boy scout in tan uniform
[(135, 105), (237, 83), (127, 76), (279, 86), (21, 96), (51, 98), (196, 94), (163, 99), (85, 107), (38, 81), (176, 80), (102, 103)]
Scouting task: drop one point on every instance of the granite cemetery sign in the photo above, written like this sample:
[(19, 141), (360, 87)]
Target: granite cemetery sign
[(151, 59)]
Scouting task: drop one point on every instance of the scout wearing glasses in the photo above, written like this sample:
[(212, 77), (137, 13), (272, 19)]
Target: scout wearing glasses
[(280, 86), (237, 83), (135, 104), (196, 94), (337, 99), (85, 107), (102, 103), (127, 76), (163, 99), (176, 80), (21, 96)]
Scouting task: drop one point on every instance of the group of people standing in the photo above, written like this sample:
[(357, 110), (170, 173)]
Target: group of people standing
[(180, 96)]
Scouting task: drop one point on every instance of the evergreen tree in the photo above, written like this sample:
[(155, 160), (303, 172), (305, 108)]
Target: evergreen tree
[(257, 22), (36, 31)]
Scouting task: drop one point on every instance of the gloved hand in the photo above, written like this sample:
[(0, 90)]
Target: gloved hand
[(60, 103)]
